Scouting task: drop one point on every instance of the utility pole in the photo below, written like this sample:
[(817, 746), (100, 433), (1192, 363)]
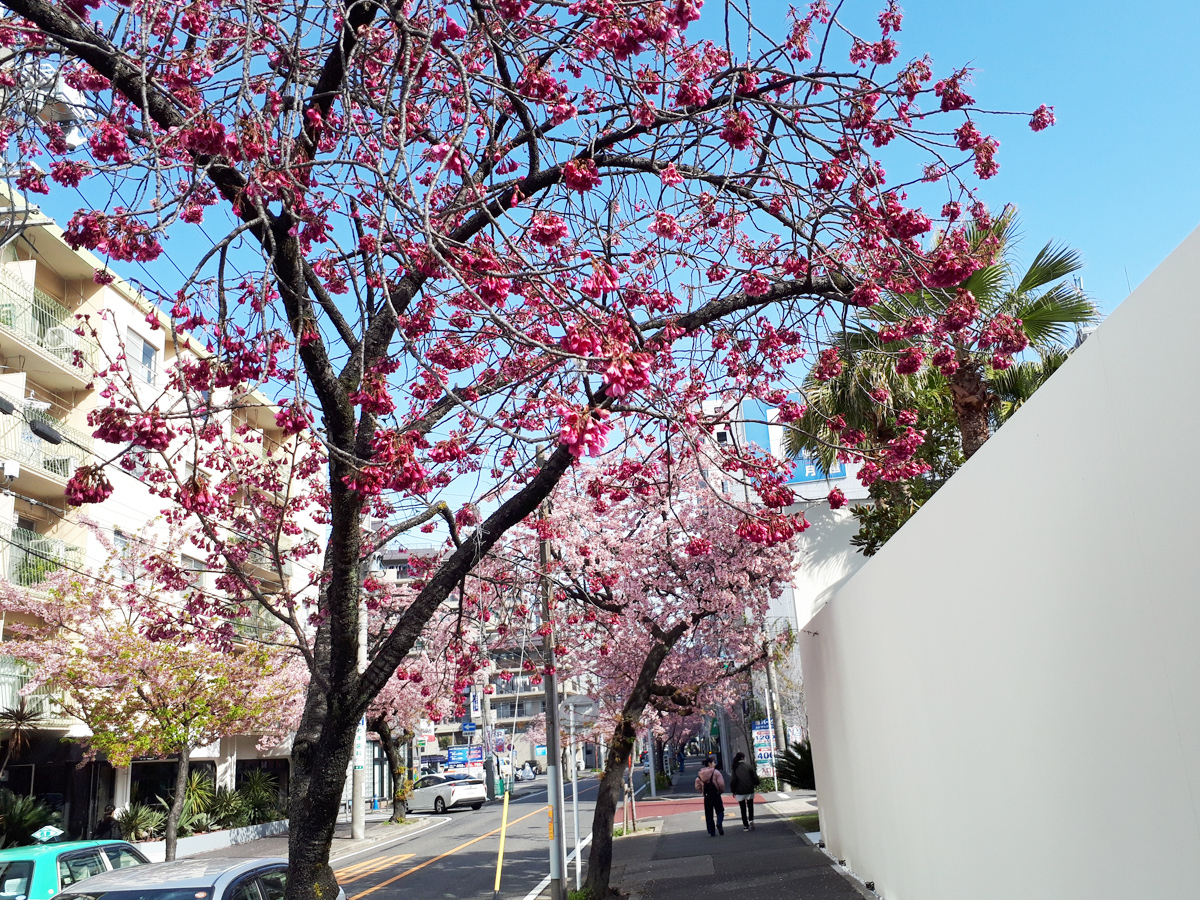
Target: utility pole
[(774, 709), (575, 798), (558, 844), (358, 813)]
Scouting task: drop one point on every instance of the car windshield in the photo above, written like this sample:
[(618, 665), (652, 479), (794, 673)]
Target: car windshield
[(193, 893), (14, 878)]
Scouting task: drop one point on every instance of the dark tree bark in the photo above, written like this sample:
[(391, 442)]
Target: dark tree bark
[(619, 745), (972, 400), (390, 742), (175, 810)]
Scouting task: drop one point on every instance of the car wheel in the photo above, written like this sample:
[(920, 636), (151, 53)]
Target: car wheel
[(476, 806), (439, 806)]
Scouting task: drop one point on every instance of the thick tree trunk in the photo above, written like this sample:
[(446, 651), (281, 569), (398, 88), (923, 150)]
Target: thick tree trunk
[(321, 758), (391, 749), (176, 809), (972, 400), (619, 746)]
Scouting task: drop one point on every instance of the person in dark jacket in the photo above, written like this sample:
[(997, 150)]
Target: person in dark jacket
[(711, 782), (742, 785), (108, 828)]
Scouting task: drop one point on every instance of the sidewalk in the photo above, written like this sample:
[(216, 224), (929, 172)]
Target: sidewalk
[(677, 860)]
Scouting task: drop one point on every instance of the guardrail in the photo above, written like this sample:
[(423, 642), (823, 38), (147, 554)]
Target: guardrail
[(36, 317)]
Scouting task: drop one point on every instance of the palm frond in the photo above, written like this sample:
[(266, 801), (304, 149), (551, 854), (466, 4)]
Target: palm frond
[(1049, 318), (1015, 385), (1053, 262), (987, 284)]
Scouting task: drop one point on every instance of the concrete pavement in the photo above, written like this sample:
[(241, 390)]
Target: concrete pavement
[(672, 856)]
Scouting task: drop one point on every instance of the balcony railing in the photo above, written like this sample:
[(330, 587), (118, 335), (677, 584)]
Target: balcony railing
[(60, 460), (32, 556), (39, 319), (14, 676)]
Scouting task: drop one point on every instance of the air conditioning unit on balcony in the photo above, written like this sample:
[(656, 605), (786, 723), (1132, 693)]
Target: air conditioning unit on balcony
[(63, 466), (61, 340)]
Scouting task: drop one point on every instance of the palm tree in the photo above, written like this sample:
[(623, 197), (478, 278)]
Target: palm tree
[(21, 722), (869, 390)]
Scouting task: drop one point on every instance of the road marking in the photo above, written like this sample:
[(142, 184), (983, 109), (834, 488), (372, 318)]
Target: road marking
[(428, 862), (545, 881), (357, 867), (387, 843), (374, 867)]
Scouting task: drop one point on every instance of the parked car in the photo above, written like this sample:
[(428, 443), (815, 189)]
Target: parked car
[(42, 870), (443, 792), (191, 879)]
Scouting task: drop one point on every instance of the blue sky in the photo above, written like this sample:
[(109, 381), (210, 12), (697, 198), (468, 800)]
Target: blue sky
[(1116, 176)]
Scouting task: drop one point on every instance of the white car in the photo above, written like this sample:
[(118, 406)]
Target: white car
[(198, 878), (447, 791)]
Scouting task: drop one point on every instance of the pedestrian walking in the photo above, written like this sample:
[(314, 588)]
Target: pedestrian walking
[(742, 783), (711, 782), (108, 828)]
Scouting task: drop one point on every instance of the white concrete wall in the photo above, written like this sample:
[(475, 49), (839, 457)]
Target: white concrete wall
[(1005, 701)]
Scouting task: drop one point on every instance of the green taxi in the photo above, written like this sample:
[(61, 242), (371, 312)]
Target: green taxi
[(42, 870)]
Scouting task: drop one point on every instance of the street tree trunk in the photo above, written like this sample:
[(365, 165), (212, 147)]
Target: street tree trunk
[(391, 749), (619, 746), (174, 812)]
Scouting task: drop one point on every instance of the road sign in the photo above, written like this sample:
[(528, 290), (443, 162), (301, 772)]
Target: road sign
[(586, 711), (360, 744), (468, 728)]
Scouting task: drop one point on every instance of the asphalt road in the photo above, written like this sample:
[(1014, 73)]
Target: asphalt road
[(454, 856)]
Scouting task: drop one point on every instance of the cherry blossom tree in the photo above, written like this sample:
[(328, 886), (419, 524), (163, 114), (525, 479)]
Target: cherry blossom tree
[(660, 597), (94, 638), (428, 684), (441, 235)]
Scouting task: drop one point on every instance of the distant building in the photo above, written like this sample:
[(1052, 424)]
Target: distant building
[(46, 378)]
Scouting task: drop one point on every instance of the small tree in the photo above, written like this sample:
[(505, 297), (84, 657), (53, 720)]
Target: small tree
[(97, 645)]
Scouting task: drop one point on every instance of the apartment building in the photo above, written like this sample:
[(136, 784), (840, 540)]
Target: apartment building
[(46, 392)]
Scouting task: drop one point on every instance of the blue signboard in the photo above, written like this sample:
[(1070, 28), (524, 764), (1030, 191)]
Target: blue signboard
[(808, 469), (475, 754), (468, 727), (539, 750), (457, 756)]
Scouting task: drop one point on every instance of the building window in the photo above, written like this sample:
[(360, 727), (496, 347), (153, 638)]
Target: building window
[(121, 545), (141, 357), (195, 567)]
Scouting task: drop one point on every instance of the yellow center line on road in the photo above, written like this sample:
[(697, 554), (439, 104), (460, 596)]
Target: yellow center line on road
[(377, 866), (428, 862)]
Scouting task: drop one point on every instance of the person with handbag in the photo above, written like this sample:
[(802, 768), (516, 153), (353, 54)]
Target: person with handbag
[(742, 784), (711, 783)]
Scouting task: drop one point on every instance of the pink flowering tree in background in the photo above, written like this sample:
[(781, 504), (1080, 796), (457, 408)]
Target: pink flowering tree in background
[(441, 235), (427, 685), (660, 598), (95, 639)]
